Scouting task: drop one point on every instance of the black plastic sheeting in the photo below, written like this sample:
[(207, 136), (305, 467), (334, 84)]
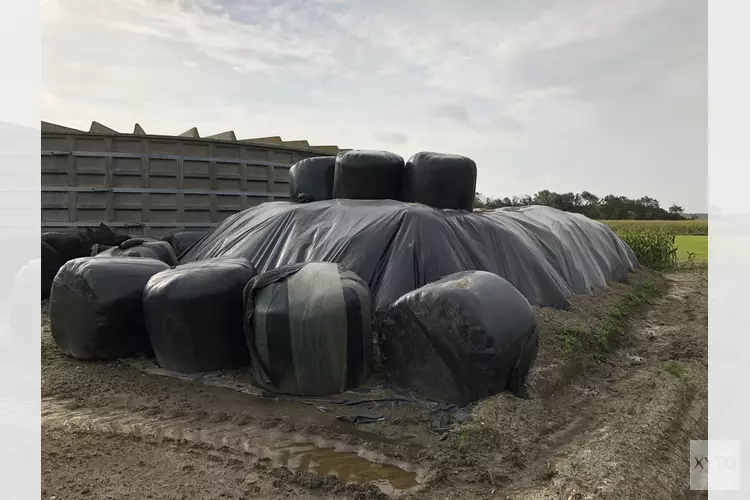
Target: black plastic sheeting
[(368, 175), (440, 180), (182, 240), (61, 246), (461, 338), (311, 179), (74, 243), (97, 248), (309, 329), (139, 247), (52, 261), (68, 244), (397, 247), (194, 315), (96, 307)]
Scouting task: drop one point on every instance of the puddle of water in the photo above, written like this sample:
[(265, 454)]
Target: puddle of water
[(347, 466), (349, 463)]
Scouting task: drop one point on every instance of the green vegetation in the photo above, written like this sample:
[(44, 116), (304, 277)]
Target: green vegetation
[(610, 207), (582, 345), (661, 239), (654, 248), (692, 248), (676, 227), (663, 244), (675, 368)]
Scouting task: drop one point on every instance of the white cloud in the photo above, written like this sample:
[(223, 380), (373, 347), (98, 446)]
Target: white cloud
[(562, 95), (395, 138)]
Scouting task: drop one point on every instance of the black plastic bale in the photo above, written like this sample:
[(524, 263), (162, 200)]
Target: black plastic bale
[(368, 175), (74, 243), (461, 338), (51, 263), (194, 315), (139, 247), (69, 244), (61, 246), (98, 248), (309, 329), (440, 180), (96, 307), (183, 240), (311, 179)]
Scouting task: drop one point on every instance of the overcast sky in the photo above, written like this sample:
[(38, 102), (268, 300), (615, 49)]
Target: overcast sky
[(604, 96)]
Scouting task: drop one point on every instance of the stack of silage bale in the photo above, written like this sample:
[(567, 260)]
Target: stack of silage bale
[(378, 245)]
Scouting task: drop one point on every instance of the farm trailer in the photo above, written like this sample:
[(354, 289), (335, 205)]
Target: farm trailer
[(148, 185)]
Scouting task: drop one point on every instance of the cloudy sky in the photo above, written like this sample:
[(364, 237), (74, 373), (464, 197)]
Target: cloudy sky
[(604, 96)]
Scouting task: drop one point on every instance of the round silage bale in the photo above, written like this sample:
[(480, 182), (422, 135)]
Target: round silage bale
[(440, 180), (194, 315), (311, 179), (181, 240), (368, 175), (96, 306), (461, 338), (308, 327)]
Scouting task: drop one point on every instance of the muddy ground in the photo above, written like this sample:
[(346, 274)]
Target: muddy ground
[(601, 421)]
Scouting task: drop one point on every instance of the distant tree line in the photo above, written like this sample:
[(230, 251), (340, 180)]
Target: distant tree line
[(610, 207)]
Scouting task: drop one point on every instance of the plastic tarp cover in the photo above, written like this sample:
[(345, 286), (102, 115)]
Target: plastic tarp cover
[(96, 307), (194, 315), (368, 175), (97, 248), (397, 247), (311, 179), (139, 247), (68, 244), (182, 240), (461, 338), (52, 261), (75, 243), (440, 180), (309, 329)]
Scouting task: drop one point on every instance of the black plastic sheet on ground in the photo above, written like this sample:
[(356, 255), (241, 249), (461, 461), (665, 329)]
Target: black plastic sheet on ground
[(396, 247)]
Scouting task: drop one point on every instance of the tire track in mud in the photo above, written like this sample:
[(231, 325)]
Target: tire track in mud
[(634, 433), (297, 452)]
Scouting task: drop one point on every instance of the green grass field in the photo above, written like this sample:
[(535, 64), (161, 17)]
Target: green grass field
[(692, 244)]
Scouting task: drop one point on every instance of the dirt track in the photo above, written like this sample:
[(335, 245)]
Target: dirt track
[(620, 429)]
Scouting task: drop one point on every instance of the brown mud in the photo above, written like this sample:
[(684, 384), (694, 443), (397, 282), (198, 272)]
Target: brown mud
[(616, 427)]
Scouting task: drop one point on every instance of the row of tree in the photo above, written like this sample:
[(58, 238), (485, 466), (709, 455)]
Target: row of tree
[(610, 207)]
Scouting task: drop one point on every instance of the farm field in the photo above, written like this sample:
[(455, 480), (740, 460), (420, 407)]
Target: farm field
[(697, 245), (652, 240), (677, 227)]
